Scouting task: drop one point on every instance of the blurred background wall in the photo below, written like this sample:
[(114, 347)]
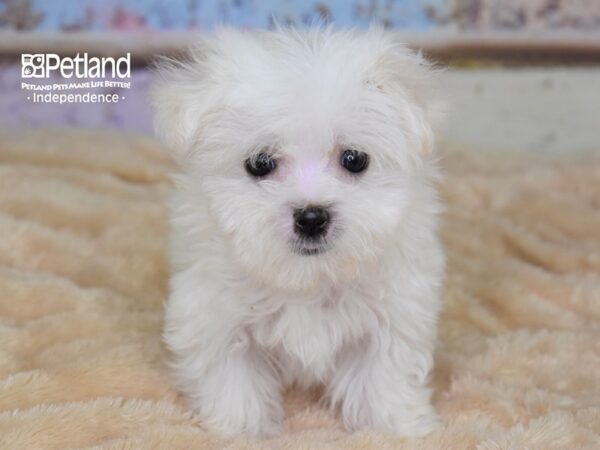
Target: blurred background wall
[(523, 73), (129, 15)]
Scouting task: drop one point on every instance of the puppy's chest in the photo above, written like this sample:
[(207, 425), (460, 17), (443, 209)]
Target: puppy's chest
[(306, 336)]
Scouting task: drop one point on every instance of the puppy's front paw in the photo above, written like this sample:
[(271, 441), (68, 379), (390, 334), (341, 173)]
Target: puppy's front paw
[(400, 420), (408, 414), (240, 413), (416, 424), (240, 396)]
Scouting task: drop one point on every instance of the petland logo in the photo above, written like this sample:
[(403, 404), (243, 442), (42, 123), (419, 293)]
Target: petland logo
[(42, 65), (96, 80)]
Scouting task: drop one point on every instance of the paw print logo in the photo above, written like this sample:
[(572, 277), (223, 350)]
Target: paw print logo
[(32, 66)]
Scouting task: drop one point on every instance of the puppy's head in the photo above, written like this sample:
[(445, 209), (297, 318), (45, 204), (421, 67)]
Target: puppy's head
[(308, 147)]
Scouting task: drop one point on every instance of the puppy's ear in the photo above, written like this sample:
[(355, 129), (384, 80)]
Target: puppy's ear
[(181, 100), (412, 82)]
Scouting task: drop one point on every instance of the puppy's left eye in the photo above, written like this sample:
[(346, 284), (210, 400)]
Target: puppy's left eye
[(354, 161), (260, 165)]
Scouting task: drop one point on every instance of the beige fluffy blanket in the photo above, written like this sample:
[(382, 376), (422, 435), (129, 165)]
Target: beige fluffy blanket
[(82, 283)]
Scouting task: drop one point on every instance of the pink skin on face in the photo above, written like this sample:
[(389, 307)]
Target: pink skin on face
[(307, 175)]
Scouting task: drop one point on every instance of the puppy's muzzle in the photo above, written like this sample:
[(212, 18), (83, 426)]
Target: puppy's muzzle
[(311, 222)]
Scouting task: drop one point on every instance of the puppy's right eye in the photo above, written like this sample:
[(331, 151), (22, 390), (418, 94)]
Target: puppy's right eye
[(260, 165), (354, 161)]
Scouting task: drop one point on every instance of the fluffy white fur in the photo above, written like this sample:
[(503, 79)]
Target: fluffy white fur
[(247, 316)]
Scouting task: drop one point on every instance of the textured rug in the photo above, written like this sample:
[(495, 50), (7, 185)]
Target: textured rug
[(82, 282)]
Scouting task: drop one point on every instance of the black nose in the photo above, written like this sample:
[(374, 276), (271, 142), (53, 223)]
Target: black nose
[(311, 222)]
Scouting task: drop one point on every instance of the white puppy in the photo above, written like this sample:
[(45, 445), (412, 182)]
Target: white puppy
[(304, 245)]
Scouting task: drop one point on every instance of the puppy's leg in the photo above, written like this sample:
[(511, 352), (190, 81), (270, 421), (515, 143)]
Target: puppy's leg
[(383, 385), (226, 379)]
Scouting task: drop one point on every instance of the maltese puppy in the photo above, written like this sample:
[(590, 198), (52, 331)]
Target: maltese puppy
[(303, 228)]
